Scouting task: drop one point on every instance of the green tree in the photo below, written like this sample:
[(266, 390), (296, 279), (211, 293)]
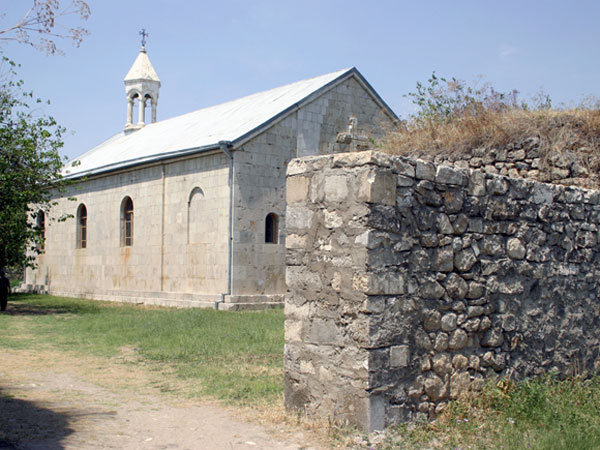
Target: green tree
[(30, 165), (30, 170), (443, 100)]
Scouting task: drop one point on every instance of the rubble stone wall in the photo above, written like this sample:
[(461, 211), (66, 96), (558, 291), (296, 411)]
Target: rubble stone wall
[(526, 159), (409, 283)]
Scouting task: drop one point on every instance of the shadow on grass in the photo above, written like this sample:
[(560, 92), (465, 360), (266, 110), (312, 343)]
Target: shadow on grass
[(36, 305)]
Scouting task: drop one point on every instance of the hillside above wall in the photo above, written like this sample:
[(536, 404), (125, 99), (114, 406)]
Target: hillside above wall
[(559, 147)]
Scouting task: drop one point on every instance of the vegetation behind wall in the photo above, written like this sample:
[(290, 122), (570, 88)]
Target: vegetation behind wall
[(455, 122)]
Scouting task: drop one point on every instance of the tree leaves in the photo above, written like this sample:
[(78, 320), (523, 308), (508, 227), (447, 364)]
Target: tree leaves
[(30, 172)]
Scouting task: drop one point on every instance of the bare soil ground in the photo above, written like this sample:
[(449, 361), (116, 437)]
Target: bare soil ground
[(53, 400)]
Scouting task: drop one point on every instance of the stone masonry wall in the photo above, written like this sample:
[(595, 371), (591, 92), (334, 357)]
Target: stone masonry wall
[(409, 283), (527, 159)]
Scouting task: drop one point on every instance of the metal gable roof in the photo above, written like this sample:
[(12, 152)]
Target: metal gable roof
[(234, 121)]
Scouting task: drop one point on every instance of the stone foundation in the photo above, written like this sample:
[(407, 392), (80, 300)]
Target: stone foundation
[(409, 283), (170, 299)]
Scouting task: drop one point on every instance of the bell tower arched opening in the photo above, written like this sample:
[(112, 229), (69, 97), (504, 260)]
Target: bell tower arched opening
[(141, 88)]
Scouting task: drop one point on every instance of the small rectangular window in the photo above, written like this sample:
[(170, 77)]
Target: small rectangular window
[(271, 230)]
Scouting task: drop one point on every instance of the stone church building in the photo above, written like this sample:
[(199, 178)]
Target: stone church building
[(190, 211)]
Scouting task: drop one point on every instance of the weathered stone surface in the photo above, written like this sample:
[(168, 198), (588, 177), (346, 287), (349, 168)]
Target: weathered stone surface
[(439, 304), (441, 342), (456, 286), (424, 170), (542, 194), (444, 261), (460, 362), (493, 245), (448, 322), (501, 208), (429, 240), (336, 188), (464, 260), (295, 241), (444, 225), (497, 186), (432, 289), (433, 320), (485, 324), (460, 224), (441, 364), (427, 195), (415, 391), (459, 306), (423, 341), (459, 383), (382, 284), (471, 325), (298, 217), (324, 332), (475, 311), (475, 290), (332, 219), (458, 340), (435, 388), (493, 338), (515, 249), (296, 189), (375, 186), (448, 175), (453, 201), (399, 356), (404, 167), (477, 185)]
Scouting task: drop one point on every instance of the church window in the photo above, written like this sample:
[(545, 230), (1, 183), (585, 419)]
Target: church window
[(127, 222), (271, 229), (82, 226), (199, 224), (40, 224)]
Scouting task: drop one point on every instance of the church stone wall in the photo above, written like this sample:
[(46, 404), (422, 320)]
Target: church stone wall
[(320, 121), (409, 283), (165, 265), (260, 166)]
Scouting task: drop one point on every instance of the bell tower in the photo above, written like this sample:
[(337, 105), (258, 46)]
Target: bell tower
[(141, 85)]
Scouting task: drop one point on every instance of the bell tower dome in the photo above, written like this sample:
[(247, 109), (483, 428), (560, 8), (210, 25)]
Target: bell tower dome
[(142, 85)]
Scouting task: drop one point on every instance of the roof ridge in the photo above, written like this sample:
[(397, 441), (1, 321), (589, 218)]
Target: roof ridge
[(236, 120)]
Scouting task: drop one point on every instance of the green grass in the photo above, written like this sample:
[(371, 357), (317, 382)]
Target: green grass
[(234, 356), (542, 413), (237, 357)]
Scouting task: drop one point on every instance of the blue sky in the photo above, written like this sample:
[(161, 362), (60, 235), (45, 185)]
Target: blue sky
[(210, 52)]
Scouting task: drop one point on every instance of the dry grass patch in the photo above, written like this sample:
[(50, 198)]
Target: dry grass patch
[(455, 121), (576, 130)]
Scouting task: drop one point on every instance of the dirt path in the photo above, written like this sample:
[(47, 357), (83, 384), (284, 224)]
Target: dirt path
[(56, 401)]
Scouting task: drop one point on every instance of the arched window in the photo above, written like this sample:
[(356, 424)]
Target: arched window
[(81, 226), (271, 230), (40, 224), (197, 219), (127, 222)]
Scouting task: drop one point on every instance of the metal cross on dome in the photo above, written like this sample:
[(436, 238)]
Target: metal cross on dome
[(144, 35)]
